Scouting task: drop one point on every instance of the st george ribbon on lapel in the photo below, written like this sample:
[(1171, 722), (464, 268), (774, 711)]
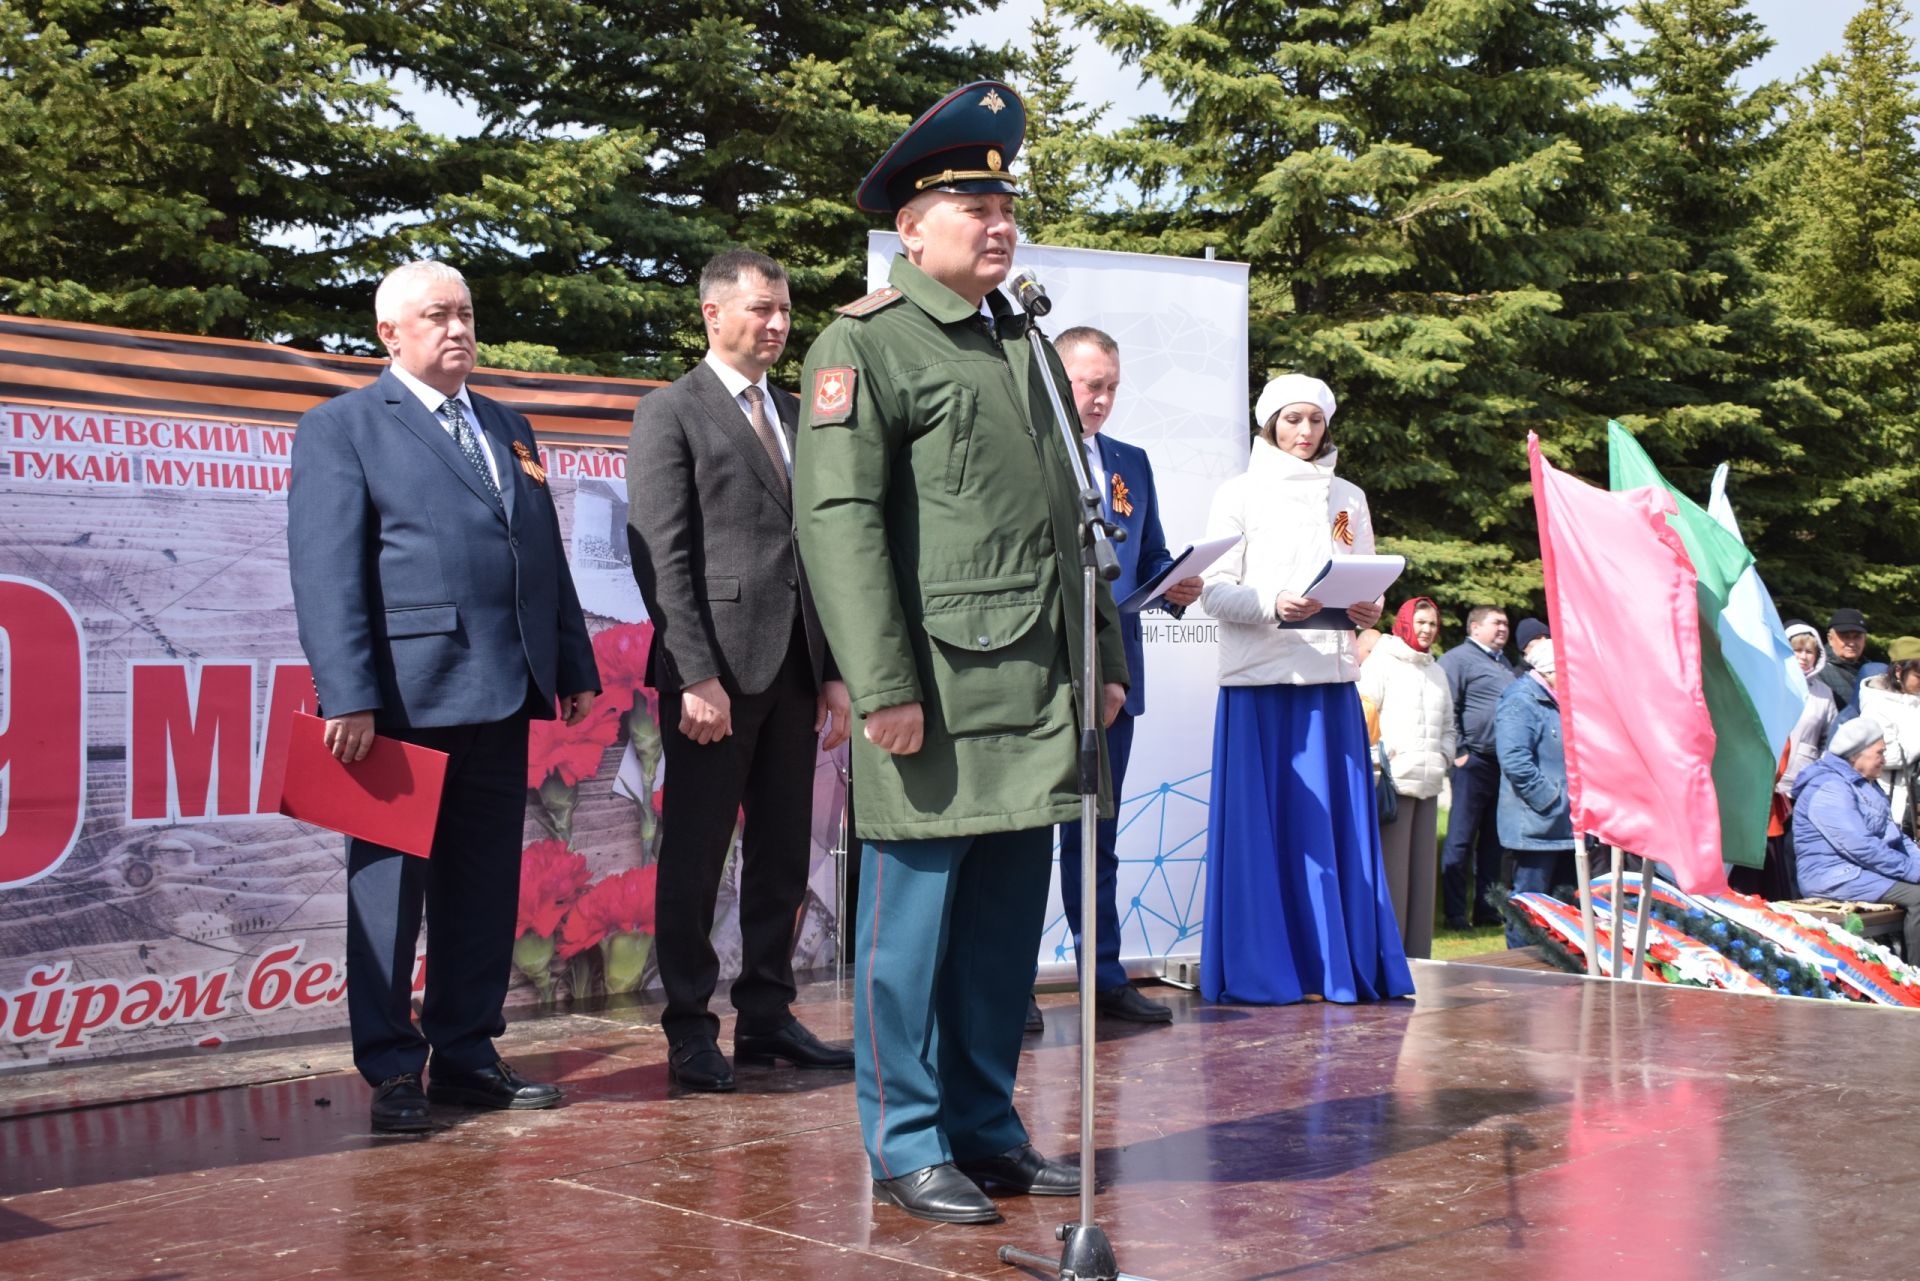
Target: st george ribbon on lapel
[(469, 444)]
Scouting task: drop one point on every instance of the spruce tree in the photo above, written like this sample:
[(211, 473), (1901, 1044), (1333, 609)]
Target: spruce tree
[(1839, 242), (1058, 183), (163, 160), (762, 121), (1427, 194)]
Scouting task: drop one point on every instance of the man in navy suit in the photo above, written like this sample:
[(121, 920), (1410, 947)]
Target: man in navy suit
[(435, 606), (1125, 479)]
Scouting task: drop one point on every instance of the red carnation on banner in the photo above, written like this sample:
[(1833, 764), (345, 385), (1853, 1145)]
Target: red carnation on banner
[(618, 904), (621, 654), (570, 752), (551, 878)]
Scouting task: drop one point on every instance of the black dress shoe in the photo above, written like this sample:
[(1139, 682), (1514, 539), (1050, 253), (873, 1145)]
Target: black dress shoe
[(498, 1086), (939, 1193), (793, 1043), (1023, 1169), (1127, 1003), (1457, 923), (400, 1105), (1034, 1022), (697, 1064)]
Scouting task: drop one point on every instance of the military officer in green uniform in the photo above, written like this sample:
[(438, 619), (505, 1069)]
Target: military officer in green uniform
[(938, 515)]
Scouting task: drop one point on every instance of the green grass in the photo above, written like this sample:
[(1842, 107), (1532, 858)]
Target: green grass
[(1452, 945)]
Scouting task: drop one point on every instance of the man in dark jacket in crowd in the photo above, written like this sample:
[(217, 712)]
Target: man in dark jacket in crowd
[(1478, 673), (1526, 634), (1846, 651)]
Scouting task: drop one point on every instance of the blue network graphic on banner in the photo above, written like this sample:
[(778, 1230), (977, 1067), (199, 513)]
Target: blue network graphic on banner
[(1162, 848)]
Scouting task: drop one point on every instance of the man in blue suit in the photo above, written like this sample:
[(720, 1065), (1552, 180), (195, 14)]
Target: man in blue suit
[(1125, 480), (434, 603)]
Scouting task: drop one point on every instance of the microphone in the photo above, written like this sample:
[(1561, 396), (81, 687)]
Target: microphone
[(1030, 293)]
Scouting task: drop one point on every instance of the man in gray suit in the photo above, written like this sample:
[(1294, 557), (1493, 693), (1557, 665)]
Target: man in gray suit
[(745, 680), (434, 604)]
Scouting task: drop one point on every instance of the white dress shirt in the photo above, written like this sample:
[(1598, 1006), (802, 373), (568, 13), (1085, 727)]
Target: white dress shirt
[(1097, 472), (736, 384), (433, 400)]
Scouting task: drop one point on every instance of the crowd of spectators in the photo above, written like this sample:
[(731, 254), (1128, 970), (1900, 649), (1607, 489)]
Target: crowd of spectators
[(1482, 726)]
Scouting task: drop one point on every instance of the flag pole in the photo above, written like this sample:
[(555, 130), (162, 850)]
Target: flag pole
[(1583, 874), (1646, 910), (1619, 870)]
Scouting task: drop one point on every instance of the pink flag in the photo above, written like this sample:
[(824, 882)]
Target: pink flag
[(1626, 640)]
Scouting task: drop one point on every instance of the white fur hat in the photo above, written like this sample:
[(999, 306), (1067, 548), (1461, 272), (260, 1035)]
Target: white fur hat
[(1292, 389)]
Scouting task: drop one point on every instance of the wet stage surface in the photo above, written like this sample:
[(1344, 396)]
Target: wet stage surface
[(1505, 1124)]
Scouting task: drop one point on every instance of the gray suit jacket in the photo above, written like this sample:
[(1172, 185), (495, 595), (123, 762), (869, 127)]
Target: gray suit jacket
[(710, 526), (418, 597)]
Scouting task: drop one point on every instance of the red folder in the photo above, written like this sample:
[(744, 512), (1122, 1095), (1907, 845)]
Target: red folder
[(390, 797)]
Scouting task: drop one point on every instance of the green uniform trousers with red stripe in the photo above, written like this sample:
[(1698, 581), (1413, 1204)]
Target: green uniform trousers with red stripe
[(944, 943)]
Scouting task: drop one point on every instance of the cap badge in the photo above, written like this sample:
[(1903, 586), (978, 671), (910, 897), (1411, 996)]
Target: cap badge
[(993, 102), (993, 160)]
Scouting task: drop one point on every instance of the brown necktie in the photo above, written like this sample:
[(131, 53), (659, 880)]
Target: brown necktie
[(764, 430)]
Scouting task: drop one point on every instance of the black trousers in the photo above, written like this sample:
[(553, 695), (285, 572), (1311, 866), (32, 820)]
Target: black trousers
[(1472, 850), (766, 766), (1907, 896), (470, 892)]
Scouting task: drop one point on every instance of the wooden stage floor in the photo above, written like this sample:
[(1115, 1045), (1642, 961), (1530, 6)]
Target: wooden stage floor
[(1505, 1125)]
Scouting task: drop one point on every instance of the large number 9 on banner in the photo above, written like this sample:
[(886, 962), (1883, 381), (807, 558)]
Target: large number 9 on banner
[(43, 749)]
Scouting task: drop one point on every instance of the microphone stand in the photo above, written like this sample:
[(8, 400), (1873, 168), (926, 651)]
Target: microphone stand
[(1085, 1253)]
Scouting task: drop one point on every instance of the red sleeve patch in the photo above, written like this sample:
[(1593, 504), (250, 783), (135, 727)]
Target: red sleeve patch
[(832, 395)]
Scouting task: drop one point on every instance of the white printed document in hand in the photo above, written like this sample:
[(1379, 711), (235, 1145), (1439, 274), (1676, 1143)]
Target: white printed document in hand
[(1345, 581), (1191, 563)]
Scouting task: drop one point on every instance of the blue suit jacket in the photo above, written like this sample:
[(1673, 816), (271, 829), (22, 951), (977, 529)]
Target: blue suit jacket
[(418, 597), (1142, 556)]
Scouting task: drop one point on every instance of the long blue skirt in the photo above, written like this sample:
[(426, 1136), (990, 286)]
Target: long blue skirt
[(1297, 901)]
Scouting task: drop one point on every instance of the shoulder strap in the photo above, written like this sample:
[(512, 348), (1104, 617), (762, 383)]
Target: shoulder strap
[(871, 303)]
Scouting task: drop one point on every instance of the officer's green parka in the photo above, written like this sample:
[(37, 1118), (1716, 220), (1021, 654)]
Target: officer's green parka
[(939, 526)]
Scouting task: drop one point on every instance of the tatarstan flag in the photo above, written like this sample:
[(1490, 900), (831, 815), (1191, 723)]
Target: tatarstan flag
[(1635, 723), (1744, 761)]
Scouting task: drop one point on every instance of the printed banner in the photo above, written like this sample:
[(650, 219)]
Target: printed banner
[(150, 895), (1181, 324)]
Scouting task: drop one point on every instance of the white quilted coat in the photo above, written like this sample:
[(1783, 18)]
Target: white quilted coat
[(1899, 717), (1416, 715), (1291, 512)]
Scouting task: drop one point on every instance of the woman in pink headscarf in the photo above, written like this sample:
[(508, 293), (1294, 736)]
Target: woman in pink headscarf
[(1402, 679)]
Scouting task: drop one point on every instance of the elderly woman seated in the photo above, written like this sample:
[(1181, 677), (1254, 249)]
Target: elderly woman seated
[(1846, 844)]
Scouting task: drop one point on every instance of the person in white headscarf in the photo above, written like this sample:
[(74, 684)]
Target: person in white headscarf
[(1778, 877), (1297, 896), (1809, 737), (1845, 841)]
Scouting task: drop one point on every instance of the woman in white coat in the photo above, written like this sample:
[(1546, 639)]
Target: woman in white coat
[(1297, 902), (1893, 699), (1403, 681)]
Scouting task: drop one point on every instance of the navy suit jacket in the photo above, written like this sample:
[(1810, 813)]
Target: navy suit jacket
[(419, 598), (1143, 555)]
